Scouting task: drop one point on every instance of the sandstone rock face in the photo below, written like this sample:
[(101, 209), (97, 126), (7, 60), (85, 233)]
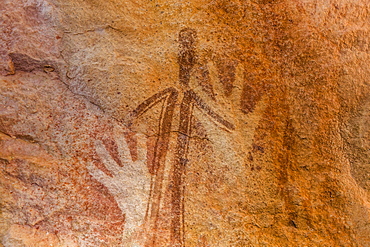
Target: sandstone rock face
[(184, 123)]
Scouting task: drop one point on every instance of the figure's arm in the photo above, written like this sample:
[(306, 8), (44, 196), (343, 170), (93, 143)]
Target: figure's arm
[(195, 99), (168, 93)]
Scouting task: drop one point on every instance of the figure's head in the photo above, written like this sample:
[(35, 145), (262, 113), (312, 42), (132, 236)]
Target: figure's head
[(187, 38), (187, 54)]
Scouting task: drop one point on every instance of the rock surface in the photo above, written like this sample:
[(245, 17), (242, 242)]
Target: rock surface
[(184, 123)]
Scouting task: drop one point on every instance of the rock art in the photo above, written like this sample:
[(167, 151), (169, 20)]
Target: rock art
[(184, 123)]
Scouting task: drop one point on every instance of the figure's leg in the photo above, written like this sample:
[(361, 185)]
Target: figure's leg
[(169, 98), (179, 169), (158, 166)]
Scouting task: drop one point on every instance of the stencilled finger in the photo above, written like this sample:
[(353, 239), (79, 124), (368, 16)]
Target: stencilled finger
[(98, 174), (215, 80), (204, 80), (123, 149), (141, 148), (219, 90), (236, 95), (106, 158)]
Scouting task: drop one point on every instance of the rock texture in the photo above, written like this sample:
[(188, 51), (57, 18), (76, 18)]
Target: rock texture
[(184, 123)]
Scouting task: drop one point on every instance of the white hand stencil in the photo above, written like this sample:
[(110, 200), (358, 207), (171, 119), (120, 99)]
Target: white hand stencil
[(129, 185)]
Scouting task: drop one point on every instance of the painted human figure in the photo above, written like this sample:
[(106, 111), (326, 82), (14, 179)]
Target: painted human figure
[(186, 59), (169, 97)]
